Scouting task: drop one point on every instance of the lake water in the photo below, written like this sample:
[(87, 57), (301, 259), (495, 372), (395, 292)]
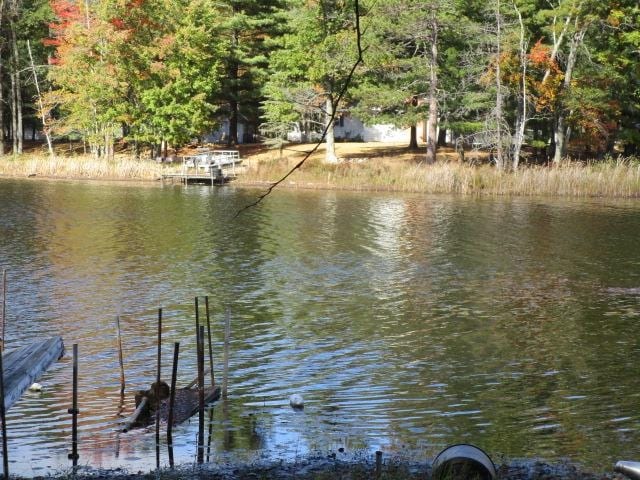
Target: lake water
[(407, 322)]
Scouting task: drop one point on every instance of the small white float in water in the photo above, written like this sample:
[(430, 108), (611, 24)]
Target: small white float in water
[(35, 387), (296, 401)]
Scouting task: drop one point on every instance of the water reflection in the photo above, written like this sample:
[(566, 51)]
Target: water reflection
[(404, 321)]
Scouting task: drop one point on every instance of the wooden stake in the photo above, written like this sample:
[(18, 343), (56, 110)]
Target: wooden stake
[(157, 392), (197, 323), (378, 464), (74, 409), (206, 308), (210, 436), (201, 394), (120, 356), (4, 309), (172, 401), (227, 340), (3, 418)]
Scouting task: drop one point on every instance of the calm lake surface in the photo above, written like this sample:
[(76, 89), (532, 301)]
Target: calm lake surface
[(407, 322)]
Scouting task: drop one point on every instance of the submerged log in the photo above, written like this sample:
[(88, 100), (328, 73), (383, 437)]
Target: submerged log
[(134, 418), (186, 405), (24, 365)]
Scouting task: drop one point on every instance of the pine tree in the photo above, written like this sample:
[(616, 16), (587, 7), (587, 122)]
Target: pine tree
[(312, 67), (252, 28)]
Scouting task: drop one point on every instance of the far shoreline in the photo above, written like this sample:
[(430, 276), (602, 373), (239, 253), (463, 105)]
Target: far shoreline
[(364, 167)]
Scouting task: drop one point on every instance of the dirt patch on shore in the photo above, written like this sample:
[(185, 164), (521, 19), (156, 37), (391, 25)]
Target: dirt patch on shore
[(353, 152)]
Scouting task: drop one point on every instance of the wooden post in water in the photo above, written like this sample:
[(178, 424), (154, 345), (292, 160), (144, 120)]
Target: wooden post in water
[(74, 409), (3, 418), (120, 357), (201, 394), (4, 310), (172, 401), (197, 323), (157, 389), (378, 464), (210, 435), (206, 308), (227, 340)]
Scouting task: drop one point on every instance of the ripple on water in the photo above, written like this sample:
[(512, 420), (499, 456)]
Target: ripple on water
[(400, 319)]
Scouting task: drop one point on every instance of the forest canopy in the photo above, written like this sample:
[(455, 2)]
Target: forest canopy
[(152, 74)]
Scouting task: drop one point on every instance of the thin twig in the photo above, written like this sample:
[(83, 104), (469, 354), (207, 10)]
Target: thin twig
[(342, 93)]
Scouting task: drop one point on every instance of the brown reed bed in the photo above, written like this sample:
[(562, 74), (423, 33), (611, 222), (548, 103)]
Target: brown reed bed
[(407, 173), (365, 166), (79, 167)]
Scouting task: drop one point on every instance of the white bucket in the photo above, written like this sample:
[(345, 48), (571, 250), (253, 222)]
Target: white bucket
[(463, 462)]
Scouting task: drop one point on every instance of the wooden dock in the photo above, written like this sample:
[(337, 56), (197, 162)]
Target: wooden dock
[(212, 168), (24, 365)]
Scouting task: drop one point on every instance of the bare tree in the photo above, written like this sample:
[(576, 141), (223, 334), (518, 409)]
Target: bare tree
[(562, 131), (522, 111), (499, 93), (432, 122), (42, 112)]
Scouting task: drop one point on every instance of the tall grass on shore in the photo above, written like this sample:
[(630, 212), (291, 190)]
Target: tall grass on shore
[(79, 167), (612, 178)]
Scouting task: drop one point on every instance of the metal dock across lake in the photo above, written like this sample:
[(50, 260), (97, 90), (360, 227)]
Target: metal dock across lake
[(215, 167)]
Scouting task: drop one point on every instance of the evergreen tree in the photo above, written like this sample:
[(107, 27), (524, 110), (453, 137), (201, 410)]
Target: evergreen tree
[(413, 64), (252, 28), (312, 67)]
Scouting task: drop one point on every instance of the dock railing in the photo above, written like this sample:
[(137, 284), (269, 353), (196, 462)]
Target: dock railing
[(208, 161)]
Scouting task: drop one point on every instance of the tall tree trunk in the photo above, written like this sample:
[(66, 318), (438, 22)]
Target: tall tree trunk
[(234, 90), (499, 97), (413, 138), (1, 95), (233, 105), (442, 137), (413, 132), (521, 120), (557, 43), (16, 90), (432, 124), (560, 133), (43, 114), (330, 155), (1, 83), (14, 107)]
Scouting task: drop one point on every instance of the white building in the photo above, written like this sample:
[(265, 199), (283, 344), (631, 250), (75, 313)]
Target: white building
[(348, 127)]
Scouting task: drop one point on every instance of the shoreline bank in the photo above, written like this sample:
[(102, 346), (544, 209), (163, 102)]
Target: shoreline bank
[(364, 168), (332, 467)]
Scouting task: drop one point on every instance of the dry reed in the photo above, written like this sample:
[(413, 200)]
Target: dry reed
[(610, 179), (80, 167)]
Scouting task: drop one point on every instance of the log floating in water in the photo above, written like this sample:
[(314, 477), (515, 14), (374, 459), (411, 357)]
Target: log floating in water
[(131, 421), (24, 365), (186, 406)]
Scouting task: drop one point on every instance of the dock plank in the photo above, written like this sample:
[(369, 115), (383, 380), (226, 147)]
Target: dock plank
[(26, 364)]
